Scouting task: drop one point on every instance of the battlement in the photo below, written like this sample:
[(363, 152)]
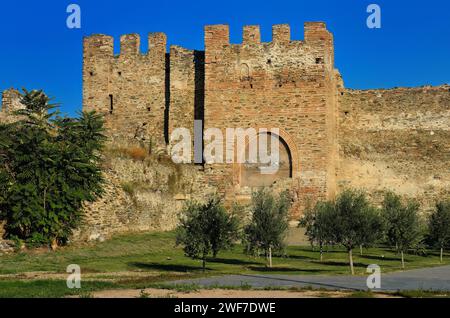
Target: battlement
[(217, 36), (100, 45), (10, 101)]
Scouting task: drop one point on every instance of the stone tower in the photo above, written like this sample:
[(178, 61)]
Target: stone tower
[(284, 84)]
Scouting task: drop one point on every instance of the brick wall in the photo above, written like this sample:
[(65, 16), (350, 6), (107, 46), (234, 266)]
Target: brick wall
[(285, 84)]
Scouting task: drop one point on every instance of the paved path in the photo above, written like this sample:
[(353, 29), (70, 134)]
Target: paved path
[(437, 278)]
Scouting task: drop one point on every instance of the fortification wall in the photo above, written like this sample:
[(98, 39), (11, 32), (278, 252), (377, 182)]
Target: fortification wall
[(186, 88), (128, 89), (10, 104), (141, 195), (285, 84), (396, 139)]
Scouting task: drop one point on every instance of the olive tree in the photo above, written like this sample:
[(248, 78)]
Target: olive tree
[(439, 226), (205, 229), (355, 221), (318, 224), (269, 224), (404, 228)]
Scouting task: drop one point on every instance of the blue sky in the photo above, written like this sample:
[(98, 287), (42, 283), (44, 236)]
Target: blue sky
[(412, 48)]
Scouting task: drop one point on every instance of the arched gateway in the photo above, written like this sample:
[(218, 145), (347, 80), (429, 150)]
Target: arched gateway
[(250, 175)]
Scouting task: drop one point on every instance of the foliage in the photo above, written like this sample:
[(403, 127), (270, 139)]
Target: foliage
[(354, 219), (48, 168), (404, 229), (268, 227), (206, 228), (318, 223), (350, 220), (137, 153), (439, 226)]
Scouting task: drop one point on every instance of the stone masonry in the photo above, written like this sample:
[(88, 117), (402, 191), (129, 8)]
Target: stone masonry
[(332, 137), (284, 84)]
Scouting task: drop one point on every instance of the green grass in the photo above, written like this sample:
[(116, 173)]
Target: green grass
[(156, 254), (422, 294), (48, 288)]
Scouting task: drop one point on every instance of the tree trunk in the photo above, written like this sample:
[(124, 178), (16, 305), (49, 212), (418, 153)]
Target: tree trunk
[(360, 250), (321, 252), (270, 257), (442, 252), (350, 257), (204, 262), (403, 260), (54, 244)]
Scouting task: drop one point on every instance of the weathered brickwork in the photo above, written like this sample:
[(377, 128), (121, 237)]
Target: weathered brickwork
[(332, 137), (396, 139), (284, 84), (130, 88), (10, 104)]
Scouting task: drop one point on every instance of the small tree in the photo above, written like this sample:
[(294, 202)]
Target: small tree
[(268, 227), (206, 228), (372, 228), (318, 224), (439, 227), (403, 223), (352, 210)]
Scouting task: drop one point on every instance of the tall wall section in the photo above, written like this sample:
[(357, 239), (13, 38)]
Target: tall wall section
[(10, 104), (187, 88), (129, 89), (285, 84), (396, 139)]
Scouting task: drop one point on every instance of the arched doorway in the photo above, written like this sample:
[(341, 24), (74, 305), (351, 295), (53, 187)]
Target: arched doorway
[(255, 174)]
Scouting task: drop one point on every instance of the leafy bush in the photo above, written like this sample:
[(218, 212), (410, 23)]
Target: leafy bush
[(48, 168)]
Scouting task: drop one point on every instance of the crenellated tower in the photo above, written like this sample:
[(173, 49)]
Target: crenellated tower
[(284, 84), (129, 89)]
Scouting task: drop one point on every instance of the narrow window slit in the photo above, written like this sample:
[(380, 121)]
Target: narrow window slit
[(111, 103)]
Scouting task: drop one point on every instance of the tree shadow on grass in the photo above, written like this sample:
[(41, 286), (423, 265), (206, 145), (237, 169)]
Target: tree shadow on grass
[(301, 257), (167, 267), (338, 263), (231, 261), (379, 258), (285, 269)]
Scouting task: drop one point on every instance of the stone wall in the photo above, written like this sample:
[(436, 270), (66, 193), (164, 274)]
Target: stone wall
[(129, 89), (396, 139), (284, 84), (10, 103), (141, 194)]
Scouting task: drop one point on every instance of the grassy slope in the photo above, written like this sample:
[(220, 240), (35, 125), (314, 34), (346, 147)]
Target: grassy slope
[(155, 252)]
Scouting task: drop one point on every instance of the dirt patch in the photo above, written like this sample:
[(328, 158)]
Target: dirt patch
[(222, 293)]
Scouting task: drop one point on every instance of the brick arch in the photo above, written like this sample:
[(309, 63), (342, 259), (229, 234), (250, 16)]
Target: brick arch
[(291, 147)]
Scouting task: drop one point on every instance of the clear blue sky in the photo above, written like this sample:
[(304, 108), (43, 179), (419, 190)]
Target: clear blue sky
[(412, 48)]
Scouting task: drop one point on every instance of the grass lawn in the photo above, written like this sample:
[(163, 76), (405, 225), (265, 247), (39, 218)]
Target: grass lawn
[(155, 253)]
